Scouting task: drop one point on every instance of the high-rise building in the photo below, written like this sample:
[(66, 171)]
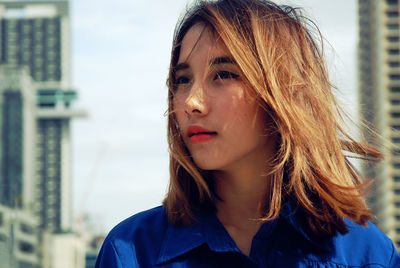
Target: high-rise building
[(35, 146), (34, 34), (379, 96)]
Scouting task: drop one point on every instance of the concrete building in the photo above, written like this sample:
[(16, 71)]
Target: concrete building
[(18, 238), (64, 250), (379, 95), (35, 34), (36, 109)]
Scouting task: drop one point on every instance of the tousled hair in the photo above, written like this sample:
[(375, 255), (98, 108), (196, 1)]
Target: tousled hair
[(282, 63)]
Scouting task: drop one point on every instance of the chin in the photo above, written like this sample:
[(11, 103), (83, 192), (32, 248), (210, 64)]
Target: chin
[(207, 165)]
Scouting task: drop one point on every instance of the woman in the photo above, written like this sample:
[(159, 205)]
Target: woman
[(258, 177)]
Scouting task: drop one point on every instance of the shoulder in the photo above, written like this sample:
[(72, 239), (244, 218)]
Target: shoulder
[(364, 245), (135, 241), (150, 221), (366, 238)]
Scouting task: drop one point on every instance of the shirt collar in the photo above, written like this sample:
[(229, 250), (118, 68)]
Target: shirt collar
[(179, 240), (182, 239), (216, 236), (209, 230)]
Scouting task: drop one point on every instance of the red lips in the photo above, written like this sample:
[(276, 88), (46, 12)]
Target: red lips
[(198, 134)]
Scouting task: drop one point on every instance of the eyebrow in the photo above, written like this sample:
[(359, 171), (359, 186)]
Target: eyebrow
[(216, 61), (223, 60), (180, 66)]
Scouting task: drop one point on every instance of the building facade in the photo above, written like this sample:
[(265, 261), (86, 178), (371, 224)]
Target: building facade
[(19, 241), (35, 35), (36, 109), (67, 250), (379, 96)]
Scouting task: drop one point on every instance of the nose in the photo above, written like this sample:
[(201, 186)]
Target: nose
[(196, 103)]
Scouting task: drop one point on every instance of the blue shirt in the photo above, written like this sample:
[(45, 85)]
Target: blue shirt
[(147, 239)]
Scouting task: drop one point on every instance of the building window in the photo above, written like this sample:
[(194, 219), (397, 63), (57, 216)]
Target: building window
[(51, 199), (395, 102), (25, 228), (51, 172), (50, 184), (50, 213), (395, 115), (393, 26), (392, 14), (396, 140), (394, 64), (396, 165), (394, 51), (38, 50), (26, 247), (396, 178), (394, 76), (394, 89), (393, 39), (38, 62)]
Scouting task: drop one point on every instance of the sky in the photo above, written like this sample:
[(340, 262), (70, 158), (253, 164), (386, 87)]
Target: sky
[(120, 56)]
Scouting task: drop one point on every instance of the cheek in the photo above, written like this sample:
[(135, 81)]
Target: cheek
[(252, 118), (242, 105), (244, 111), (178, 111)]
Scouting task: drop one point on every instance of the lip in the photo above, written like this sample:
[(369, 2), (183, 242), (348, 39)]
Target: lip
[(199, 134)]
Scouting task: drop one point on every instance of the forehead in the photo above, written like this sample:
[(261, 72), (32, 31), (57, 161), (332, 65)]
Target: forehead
[(200, 39)]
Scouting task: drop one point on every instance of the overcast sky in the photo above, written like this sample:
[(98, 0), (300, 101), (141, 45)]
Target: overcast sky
[(120, 56)]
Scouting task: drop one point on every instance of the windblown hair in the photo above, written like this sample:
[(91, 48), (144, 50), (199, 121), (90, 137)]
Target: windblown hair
[(281, 61)]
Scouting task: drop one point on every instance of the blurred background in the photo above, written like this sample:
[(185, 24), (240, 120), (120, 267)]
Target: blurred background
[(82, 103)]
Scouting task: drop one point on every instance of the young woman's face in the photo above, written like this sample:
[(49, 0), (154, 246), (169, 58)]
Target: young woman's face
[(221, 124)]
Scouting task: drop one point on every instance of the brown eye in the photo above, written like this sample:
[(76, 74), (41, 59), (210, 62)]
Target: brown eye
[(182, 80)]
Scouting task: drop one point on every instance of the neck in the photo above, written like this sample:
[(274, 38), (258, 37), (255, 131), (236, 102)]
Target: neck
[(243, 195), (242, 200), (243, 187)]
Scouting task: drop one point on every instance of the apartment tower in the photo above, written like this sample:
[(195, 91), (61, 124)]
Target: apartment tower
[(379, 96), (35, 37)]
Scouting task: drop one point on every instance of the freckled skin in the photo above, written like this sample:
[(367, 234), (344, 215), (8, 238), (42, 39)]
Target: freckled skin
[(219, 105)]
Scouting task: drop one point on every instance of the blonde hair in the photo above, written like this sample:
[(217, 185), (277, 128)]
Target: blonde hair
[(282, 63)]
